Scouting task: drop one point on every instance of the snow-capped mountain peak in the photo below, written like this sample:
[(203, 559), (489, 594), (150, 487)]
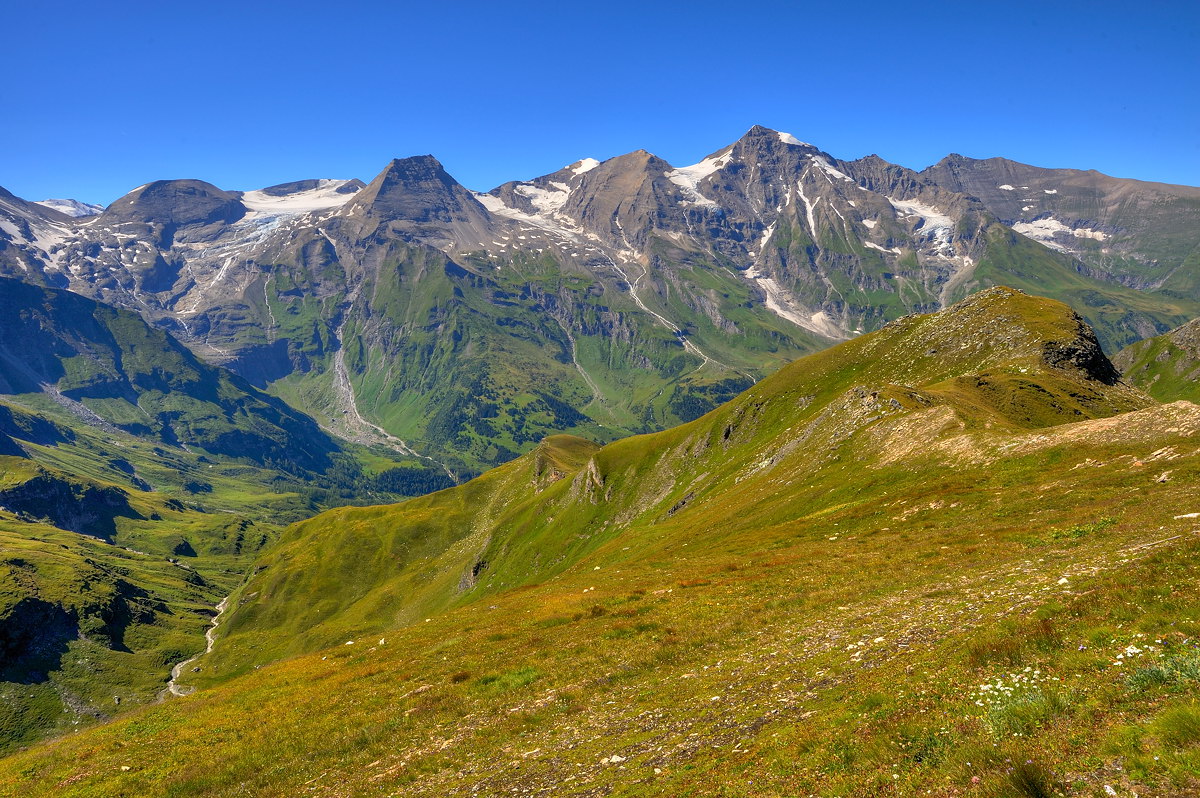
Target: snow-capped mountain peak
[(72, 207)]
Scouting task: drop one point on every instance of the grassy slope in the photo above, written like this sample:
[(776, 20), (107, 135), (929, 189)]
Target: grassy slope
[(97, 627), (1167, 366), (820, 655), (166, 532), (368, 572), (818, 616), (101, 606), (495, 533)]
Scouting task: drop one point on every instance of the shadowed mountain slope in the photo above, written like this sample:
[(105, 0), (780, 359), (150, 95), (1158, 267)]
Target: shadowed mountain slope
[(113, 369)]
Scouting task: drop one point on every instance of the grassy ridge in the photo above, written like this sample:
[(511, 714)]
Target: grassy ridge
[(374, 568)]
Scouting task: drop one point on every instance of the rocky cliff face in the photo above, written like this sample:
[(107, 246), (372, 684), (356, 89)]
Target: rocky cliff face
[(67, 504)]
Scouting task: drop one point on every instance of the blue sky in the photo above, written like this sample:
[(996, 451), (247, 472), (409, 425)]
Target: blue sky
[(101, 97)]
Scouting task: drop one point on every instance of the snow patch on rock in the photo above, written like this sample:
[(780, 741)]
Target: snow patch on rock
[(831, 170), (583, 166), (557, 224), (934, 225), (780, 302), (689, 178), (1044, 230), (547, 200), (788, 138)]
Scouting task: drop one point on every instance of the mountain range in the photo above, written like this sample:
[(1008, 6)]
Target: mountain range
[(605, 298)]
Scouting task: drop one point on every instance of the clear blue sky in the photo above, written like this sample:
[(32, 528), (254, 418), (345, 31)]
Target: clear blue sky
[(101, 97)]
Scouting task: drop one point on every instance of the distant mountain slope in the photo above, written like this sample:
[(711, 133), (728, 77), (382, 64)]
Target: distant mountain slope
[(1168, 366), (1145, 235), (111, 368), (835, 247)]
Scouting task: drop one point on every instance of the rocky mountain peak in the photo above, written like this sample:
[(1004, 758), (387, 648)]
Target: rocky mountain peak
[(889, 179), (762, 144), (638, 160), (417, 197), (417, 189), (772, 137), (176, 202), (951, 160)]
